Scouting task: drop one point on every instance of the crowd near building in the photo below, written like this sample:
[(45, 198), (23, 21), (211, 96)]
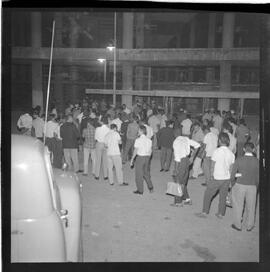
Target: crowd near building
[(127, 84)]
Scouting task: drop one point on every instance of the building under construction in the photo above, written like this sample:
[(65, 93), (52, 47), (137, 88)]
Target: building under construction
[(191, 60)]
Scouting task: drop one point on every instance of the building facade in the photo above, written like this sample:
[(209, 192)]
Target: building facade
[(192, 60)]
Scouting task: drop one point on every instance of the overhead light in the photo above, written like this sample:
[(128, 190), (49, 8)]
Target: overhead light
[(101, 60)]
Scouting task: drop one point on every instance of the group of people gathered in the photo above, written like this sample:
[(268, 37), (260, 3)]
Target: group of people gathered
[(215, 145)]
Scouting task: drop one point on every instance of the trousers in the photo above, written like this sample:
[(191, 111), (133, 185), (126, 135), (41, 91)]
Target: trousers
[(207, 168), (101, 157), (71, 158), (165, 158), (116, 162), (181, 177), (214, 186), (86, 153), (244, 194), (128, 146), (197, 169), (142, 171)]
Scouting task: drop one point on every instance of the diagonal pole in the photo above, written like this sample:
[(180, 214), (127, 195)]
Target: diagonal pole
[(49, 82)]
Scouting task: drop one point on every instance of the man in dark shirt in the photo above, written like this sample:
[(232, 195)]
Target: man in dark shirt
[(123, 130), (70, 136), (244, 190), (165, 137)]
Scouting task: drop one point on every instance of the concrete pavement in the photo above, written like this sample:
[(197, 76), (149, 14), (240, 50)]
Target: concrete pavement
[(119, 226)]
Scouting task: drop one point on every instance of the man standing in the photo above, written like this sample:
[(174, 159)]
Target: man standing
[(242, 134), (70, 136), (123, 131), (101, 155), (24, 124), (88, 135), (186, 125), (38, 126), (165, 138), (210, 142), (132, 133), (143, 150), (217, 121), (154, 123), (181, 148), (112, 141)]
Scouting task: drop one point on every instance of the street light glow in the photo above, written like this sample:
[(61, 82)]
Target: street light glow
[(101, 60), (111, 48)]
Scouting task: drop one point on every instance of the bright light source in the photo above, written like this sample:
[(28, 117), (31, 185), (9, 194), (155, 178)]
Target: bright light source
[(110, 48), (101, 60)]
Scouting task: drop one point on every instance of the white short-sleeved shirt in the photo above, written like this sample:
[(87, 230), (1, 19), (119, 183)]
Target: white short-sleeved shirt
[(154, 123), (112, 140), (25, 120), (211, 142), (186, 125), (38, 125), (143, 145), (149, 132), (51, 129), (101, 132), (223, 158), (117, 122), (181, 147)]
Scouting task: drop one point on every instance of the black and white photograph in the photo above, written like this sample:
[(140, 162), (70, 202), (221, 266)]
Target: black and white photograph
[(135, 135)]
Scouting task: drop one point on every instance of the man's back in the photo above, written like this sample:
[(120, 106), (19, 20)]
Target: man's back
[(69, 134), (166, 137)]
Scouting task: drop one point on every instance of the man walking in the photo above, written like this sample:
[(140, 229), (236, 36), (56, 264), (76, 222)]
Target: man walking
[(143, 150), (101, 156), (112, 141), (165, 137), (70, 136)]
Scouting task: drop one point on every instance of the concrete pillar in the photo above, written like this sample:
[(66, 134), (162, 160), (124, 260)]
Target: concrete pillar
[(37, 93), (225, 67), (191, 45), (127, 69), (210, 72), (58, 86), (73, 69)]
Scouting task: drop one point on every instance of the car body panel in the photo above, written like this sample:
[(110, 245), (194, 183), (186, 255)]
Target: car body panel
[(39, 195)]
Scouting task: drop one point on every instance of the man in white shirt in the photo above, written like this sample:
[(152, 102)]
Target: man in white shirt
[(112, 141), (218, 120), (126, 109), (38, 125), (229, 130), (163, 119), (210, 142), (221, 166), (186, 125), (24, 124), (117, 122), (101, 153), (143, 151), (181, 148), (154, 123)]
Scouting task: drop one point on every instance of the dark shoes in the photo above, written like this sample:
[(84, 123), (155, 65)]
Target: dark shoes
[(151, 191), (123, 184), (97, 178), (106, 178), (203, 184), (137, 192), (167, 170), (161, 170), (79, 171), (250, 229), (234, 227)]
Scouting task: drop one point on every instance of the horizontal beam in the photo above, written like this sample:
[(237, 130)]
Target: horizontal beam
[(180, 56), (179, 93)]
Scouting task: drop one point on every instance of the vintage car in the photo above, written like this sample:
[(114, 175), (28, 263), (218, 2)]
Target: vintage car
[(46, 209)]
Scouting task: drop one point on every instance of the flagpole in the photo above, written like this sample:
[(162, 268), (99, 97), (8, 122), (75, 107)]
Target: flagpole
[(49, 82)]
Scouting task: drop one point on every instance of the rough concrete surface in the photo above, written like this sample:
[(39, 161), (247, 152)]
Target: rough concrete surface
[(119, 226)]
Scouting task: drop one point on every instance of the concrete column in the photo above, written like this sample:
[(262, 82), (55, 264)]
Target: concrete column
[(139, 44), (58, 86), (225, 67), (127, 69), (73, 69), (37, 94), (210, 72), (191, 45)]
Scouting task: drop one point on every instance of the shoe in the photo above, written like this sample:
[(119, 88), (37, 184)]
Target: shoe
[(167, 170), (203, 184), (79, 171), (137, 192), (151, 191), (85, 174), (180, 205), (97, 178), (161, 170), (250, 229), (234, 227), (188, 202), (111, 183), (106, 178), (192, 177), (201, 215), (219, 216), (123, 184)]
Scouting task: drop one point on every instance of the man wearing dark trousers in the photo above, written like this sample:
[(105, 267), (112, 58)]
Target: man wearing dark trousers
[(143, 150), (165, 138)]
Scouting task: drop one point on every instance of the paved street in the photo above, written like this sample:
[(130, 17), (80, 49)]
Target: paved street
[(119, 226)]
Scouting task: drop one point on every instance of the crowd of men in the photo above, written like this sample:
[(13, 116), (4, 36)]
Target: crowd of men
[(216, 145)]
